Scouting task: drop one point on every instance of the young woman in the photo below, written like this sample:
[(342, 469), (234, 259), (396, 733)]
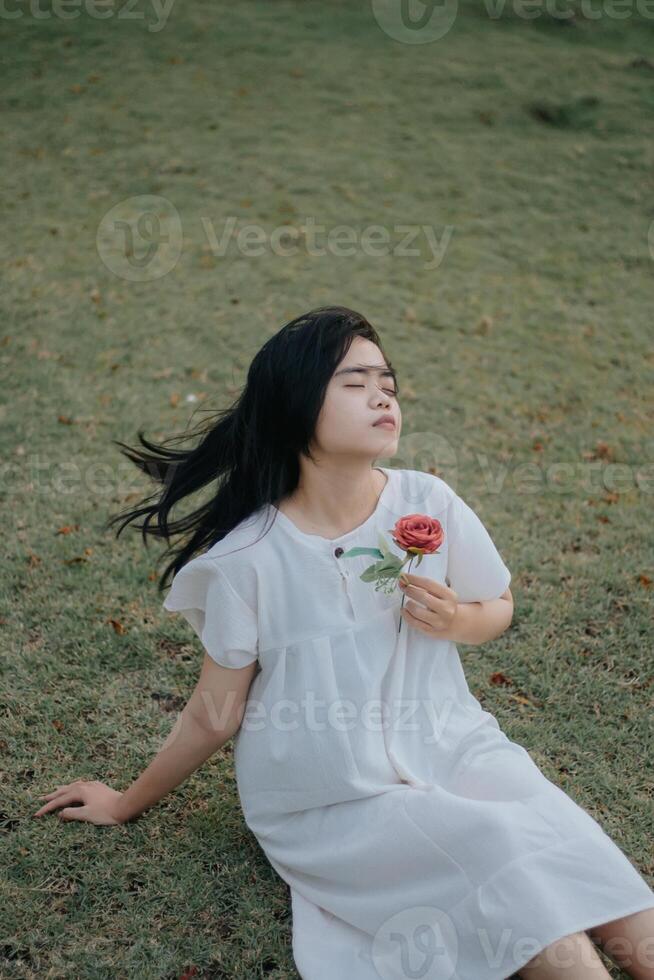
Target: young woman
[(417, 839)]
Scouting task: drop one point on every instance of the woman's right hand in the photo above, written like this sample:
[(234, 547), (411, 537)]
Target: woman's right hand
[(100, 802)]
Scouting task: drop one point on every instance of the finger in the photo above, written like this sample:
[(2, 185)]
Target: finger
[(59, 789), (428, 584), (413, 620), (422, 615), (72, 796), (50, 805), (428, 599), (64, 787), (74, 813), (47, 808), (56, 794), (425, 627)]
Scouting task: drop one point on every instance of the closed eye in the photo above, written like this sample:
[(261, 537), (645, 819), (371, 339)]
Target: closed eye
[(389, 390)]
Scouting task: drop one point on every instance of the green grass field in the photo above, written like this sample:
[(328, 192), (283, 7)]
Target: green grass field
[(525, 146)]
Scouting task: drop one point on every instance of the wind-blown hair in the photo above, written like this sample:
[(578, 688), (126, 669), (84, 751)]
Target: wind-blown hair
[(251, 449)]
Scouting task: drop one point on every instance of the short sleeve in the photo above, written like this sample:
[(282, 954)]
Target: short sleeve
[(475, 569), (221, 618)]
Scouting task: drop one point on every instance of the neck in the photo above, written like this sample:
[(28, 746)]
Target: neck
[(330, 500)]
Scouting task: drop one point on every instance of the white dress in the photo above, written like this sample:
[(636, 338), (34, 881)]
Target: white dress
[(417, 839)]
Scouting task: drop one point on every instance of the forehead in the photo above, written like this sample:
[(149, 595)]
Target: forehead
[(365, 355), (360, 369)]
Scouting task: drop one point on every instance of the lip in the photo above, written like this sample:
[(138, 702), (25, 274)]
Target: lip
[(386, 421)]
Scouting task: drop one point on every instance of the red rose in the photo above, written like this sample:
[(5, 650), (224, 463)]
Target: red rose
[(418, 533)]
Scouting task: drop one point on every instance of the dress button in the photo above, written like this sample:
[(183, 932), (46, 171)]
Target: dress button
[(338, 552)]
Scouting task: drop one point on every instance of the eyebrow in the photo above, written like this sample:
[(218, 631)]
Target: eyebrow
[(365, 369)]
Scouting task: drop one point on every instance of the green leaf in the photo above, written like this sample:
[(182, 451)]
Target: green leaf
[(388, 568), (371, 573), (353, 552), (383, 544), (391, 564)]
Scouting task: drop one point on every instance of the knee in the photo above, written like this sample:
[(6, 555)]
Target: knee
[(573, 951)]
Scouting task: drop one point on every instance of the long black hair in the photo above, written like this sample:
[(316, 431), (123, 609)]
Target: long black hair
[(250, 449)]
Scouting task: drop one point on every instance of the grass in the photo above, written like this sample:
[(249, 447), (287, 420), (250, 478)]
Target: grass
[(528, 345)]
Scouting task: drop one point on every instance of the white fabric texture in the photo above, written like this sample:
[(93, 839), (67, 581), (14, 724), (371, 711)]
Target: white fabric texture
[(226, 625), (416, 838)]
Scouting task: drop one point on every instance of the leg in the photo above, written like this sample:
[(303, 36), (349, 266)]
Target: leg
[(629, 942), (572, 957)]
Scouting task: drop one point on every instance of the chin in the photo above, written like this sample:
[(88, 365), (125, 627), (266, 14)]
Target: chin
[(391, 437)]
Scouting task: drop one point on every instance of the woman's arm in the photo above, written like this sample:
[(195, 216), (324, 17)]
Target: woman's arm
[(212, 715), (478, 622), (434, 609)]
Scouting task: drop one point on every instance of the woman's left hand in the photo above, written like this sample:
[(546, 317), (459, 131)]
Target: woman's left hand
[(430, 606)]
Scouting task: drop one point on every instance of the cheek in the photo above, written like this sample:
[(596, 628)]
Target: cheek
[(339, 416), (330, 424)]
